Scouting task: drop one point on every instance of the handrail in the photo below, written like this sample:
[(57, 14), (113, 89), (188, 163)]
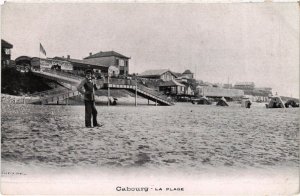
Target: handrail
[(46, 92), (42, 99), (57, 95), (140, 87), (69, 75)]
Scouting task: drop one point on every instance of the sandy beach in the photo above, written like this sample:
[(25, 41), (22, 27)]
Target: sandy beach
[(187, 139)]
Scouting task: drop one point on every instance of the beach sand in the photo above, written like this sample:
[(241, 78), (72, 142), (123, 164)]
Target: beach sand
[(156, 144)]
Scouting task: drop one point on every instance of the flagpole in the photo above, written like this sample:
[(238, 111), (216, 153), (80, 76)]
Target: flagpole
[(40, 56)]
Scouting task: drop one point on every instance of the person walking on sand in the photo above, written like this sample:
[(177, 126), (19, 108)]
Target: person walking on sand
[(87, 87)]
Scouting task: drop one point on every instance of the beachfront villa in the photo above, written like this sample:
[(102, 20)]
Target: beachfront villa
[(110, 59), (158, 74), (227, 86), (75, 66), (102, 62), (172, 87), (79, 66), (260, 94), (244, 85), (5, 53), (218, 92), (176, 89), (188, 74)]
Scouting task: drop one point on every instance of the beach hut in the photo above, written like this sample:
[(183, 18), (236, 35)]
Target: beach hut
[(246, 102), (204, 101), (292, 103), (275, 102), (222, 102)]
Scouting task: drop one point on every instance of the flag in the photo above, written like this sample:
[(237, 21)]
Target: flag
[(42, 50)]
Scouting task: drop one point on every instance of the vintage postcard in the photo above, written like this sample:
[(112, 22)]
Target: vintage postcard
[(150, 98)]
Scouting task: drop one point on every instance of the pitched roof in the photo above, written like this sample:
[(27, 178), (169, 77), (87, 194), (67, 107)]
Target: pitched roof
[(78, 61), (5, 44), (156, 72), (187, 72), (23, 58), (245, 83), (171, 83), (177, 74), (106, 54)]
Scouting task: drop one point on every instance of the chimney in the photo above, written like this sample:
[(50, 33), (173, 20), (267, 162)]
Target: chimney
[(68, 56), (91, 54), (63, 56)]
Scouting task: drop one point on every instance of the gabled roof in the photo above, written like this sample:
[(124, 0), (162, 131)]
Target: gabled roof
[(244, 83), (183, 77), (187, 72), (78, 61), (5, 44), (177, 74), (22, 59), (106, 54), (171, 83), (156, 72)]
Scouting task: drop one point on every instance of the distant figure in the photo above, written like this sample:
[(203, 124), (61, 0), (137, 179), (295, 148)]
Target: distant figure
[(87, 87), (248, 104), (114, 102), (56, 67)]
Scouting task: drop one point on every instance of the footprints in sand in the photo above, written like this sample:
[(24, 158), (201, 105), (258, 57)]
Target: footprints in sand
[(171, 138)]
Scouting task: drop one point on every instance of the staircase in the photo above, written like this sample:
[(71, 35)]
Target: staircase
[(51, 96), (71, 80), (143, 91)]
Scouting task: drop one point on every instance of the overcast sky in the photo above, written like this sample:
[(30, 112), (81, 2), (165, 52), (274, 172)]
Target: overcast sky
[(255, 42)]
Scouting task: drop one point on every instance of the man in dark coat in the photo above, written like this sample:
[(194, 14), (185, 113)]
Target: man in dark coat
[(87, 87)]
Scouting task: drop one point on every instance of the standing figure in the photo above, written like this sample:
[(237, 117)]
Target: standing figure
[(248, 104), (87, 87)]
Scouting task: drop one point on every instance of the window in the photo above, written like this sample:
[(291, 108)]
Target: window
[(121, 62), (117, 61), (7, 51)]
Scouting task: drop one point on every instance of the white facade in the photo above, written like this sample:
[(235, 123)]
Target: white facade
[(48, 63), (219, 92)]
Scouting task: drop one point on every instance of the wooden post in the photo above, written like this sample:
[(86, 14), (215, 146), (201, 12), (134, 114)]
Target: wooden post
[(67, 101), (135, 92), (155, 102), (148, 101), (108, 91)]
